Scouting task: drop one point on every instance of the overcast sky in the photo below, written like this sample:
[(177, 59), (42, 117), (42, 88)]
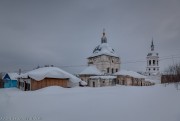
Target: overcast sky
[(65, 32)]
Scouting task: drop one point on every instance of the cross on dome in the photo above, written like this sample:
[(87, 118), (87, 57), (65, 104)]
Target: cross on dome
[(103, 38)]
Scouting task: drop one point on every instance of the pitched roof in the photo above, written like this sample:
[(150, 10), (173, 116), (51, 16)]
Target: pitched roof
[(129, 73), (49, 72), (11, 76), (91, 70)]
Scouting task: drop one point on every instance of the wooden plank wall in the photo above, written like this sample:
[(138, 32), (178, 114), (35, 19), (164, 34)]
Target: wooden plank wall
[(48, 82)]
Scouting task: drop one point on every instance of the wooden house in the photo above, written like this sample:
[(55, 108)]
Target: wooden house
[(47, 76), (170, 78)]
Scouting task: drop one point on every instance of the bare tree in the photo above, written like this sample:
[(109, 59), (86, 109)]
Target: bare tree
[(173, 75)]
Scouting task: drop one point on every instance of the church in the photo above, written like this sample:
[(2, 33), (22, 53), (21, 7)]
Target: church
[(104, 57), (102, 64)]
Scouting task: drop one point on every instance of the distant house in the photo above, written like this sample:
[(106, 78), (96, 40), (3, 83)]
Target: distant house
[(101, 81), (88, 72), (1, 80), (46, 76), (172, 78), (9, 80), (131, 78)]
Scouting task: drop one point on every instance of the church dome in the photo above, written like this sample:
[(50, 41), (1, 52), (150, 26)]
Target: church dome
[(103, 48)]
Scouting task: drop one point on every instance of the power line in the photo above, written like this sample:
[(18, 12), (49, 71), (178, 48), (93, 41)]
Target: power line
[(126, 62)]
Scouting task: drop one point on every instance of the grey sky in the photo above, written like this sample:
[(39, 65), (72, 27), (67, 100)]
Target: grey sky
[(65, 32)]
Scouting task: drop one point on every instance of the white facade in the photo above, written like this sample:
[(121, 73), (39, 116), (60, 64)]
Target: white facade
[(101, 81), (105, 58), (152, 68)]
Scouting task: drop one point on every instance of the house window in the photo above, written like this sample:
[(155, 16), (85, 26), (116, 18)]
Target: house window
[(149, 69), (157, 63), (153, 62), (154, 69)]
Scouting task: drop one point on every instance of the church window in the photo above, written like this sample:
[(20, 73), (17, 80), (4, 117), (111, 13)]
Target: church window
[(112, 70), (116, 70), (107, 70)]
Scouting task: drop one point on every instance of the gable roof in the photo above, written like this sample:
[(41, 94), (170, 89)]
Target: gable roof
[(13, 76), (91, 70), (10, 76), (49, 72)]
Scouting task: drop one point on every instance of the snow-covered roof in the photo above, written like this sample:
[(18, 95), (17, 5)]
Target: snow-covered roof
[(83, 83), (13, 76), (49, 72), (103, 49), (91, 70), (103, 77), (129, 73), (152, 53)]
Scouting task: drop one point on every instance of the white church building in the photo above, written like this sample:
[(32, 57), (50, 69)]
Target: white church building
[(152, 68), (104, 57), (101, 65)]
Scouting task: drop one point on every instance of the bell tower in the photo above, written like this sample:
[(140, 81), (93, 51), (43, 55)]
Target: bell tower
[(152, 68)]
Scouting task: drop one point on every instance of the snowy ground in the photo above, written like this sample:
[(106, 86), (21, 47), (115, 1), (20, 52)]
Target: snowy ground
[(118, 103)]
